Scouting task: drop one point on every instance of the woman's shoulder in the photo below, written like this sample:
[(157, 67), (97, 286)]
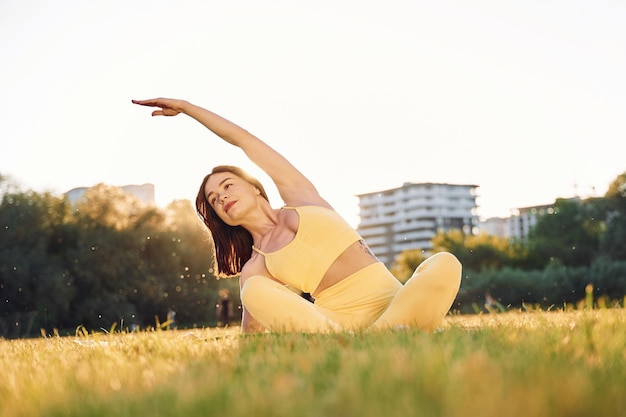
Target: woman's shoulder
[(306, 200), (290, 215), (300, 207), (253, 266)]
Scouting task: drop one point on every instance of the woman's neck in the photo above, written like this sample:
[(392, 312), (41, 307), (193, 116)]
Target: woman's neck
[(263, 222)]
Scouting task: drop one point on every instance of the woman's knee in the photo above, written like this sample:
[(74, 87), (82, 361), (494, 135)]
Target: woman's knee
[(442, 260), (442, 265), (448, 259), (253, 289), (450, 265)]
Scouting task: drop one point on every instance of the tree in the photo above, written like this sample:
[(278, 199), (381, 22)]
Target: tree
[(107, 259), (192, 287), (571, 235), (476, 252), (617, 188), (406, 263), (33, 283), (104, 261), (613, 242)]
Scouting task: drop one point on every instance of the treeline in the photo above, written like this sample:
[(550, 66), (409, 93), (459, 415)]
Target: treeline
[(581, 242), (107, 260), (111, 260)]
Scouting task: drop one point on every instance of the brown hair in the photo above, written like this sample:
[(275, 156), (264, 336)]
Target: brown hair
[(232, 244)]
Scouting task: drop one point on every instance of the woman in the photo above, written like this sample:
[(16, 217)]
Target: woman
[(305, 245)]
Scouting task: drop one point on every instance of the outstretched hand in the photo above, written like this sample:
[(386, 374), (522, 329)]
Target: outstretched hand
[(169, 107)]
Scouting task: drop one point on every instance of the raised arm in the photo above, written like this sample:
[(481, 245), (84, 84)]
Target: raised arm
[(294, 188)]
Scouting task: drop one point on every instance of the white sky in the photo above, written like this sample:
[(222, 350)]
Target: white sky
[(525, 98)]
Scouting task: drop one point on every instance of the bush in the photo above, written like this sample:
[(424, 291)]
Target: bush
[(554, 286)]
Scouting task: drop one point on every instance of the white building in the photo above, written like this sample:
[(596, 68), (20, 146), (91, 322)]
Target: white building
[(144, 192), (524, 219), (410, 216), (496, 226), (520, 223)]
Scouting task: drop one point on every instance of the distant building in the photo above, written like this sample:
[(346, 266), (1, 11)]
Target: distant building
[(408, 217), (520, 223), (144, 192), (495, 226), (524, 219)]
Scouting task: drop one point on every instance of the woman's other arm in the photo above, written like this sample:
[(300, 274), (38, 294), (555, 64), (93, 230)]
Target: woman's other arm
[(249, 323)]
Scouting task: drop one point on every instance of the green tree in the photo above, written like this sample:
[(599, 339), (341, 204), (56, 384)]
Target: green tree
[(107, 259), (571, 234), (613, 242), (476, 252), (406, 263), (191, 287), (104, 261), (33, 283)]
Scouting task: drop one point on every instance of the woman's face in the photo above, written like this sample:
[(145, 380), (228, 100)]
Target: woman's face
[(230, 196)]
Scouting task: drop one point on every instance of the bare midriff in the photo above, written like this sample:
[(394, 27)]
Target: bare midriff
[(356, 257)]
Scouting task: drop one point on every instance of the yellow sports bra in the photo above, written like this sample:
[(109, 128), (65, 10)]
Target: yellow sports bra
[(321, 237)]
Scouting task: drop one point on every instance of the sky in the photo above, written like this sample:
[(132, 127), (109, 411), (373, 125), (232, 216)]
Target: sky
[(525, 99)]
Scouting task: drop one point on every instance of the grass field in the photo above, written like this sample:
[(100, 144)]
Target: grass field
[(511, 364)]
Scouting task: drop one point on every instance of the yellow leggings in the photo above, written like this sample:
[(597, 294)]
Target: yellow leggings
[(371, 298)]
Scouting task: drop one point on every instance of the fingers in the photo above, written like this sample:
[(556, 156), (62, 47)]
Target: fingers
[(150, 102), (168, 107)]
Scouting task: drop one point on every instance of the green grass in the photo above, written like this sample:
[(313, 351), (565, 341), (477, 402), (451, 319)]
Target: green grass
[(511, 364)]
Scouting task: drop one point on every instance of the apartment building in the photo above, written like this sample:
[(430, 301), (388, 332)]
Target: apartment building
[(524, 219), (521, 222), (144, 192), (408, 217)]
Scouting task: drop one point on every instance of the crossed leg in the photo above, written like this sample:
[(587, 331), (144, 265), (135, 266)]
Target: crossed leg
[(279, 309), (426, 297), (422, 302)]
